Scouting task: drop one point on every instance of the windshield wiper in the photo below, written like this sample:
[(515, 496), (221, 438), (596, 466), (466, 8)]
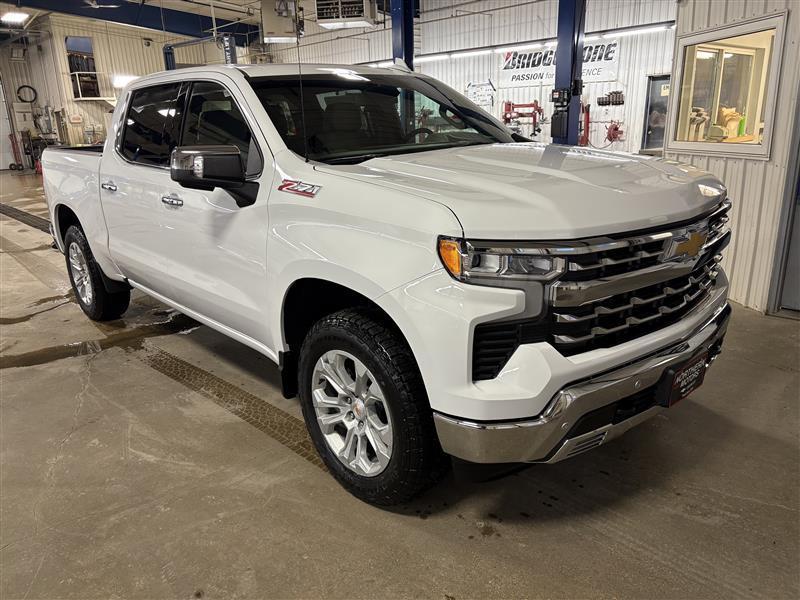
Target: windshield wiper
[(351, 160), (358, 158)]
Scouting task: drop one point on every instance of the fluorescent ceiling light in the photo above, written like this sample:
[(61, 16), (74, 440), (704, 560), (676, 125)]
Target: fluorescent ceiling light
[(705, 55), (551, 43), (470, 53), (120, 81), (14, 18), (638, 31), (430, 58), (515, 48), (280, 39), (344, 24), (591, 38), (385, 64)]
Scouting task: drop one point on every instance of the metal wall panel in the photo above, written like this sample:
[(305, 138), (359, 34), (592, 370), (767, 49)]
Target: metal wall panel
[(452, 26), (639, 56), (757, 187), (118, 50)]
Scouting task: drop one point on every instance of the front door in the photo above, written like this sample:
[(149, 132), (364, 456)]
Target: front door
[(217, 250)]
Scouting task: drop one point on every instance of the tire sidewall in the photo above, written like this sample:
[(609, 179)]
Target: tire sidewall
[(330, 338), (75, 235)]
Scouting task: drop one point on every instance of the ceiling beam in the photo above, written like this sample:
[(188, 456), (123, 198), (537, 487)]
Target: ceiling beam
[(145, 15)]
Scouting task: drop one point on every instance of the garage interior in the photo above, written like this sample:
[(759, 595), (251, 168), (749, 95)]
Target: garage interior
[(153, 457)]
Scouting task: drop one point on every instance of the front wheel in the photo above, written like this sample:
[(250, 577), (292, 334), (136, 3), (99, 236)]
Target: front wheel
[(87, 281), (365, 407)]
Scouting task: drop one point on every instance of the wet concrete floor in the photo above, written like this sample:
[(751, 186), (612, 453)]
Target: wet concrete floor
[(154, 458)]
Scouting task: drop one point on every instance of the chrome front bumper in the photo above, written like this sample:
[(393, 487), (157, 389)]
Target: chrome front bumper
[(583, 415)]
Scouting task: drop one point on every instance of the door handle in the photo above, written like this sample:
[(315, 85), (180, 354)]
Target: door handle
[(109, 185), (172, 200)]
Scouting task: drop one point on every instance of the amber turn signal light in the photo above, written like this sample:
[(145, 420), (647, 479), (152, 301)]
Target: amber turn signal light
[(450, 253)]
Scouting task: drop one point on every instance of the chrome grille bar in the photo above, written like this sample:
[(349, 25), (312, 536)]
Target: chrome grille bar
[(699, 285)]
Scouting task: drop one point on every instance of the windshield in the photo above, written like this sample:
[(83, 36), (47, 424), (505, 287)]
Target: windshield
[(351, 117)]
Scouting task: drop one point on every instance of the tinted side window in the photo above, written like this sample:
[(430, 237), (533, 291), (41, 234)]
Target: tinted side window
[(213, 118), (147, 138)]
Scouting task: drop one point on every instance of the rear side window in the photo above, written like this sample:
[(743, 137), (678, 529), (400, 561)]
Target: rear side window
[(213, 118), (147, 138)]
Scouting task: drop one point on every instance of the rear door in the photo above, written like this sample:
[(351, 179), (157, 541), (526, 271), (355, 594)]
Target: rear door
[(133, 178), (217, 250)]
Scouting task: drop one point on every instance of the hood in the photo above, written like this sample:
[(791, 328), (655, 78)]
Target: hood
[(539, 191)]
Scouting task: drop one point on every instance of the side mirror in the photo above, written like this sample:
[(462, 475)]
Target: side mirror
[(208, 167)]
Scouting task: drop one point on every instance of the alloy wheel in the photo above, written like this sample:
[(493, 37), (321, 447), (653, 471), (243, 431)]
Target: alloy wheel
[(352, 414), (79, 268)]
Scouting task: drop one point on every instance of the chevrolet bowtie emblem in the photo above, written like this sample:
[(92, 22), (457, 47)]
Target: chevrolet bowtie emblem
[(689, 247)]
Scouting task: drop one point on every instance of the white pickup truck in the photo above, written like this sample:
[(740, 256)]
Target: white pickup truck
[(429, 283)]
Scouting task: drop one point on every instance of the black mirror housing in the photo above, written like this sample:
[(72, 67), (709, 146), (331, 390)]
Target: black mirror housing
[(207, 167)]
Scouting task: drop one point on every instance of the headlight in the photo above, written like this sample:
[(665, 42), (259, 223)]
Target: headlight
[(492, 263)]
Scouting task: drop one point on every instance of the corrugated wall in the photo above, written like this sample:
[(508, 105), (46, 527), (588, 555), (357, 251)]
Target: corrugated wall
[(451, 26), (118, 49), (500, 22), (757, 187)]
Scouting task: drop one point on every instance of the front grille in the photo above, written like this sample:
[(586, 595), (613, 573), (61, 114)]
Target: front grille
[(626, 316), (614, 290)]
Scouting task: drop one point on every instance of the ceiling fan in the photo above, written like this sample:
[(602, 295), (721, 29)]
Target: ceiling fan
[(94, 4)]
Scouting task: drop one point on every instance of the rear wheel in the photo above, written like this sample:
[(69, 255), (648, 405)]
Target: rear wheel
[(87, 281), (366, 409)]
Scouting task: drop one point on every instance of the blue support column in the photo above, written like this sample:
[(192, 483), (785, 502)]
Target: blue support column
[(403, 31), (569, 63)]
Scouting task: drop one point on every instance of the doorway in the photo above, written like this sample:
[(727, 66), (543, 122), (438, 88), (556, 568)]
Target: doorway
[(790, 292), (655, 114), (6, 151)]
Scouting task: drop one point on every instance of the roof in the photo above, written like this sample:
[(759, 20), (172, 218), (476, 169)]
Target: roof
[(266, 70), (273, 69)]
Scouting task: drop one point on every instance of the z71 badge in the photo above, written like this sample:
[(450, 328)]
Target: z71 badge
[(298, 187)]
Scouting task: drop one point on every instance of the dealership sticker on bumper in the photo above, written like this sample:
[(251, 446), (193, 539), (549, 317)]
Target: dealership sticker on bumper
[(687, 379)]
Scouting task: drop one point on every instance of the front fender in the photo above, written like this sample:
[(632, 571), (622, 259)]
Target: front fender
[(366, 238)]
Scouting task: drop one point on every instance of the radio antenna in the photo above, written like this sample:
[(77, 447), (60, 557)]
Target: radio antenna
[(298, 27)]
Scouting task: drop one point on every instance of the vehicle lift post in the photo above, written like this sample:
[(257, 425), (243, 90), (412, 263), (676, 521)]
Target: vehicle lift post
[(403, 53), (569, 65), (403, 31)]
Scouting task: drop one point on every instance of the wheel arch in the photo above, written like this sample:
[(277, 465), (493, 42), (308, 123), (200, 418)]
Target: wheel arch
[(64, 218), (309, 299)]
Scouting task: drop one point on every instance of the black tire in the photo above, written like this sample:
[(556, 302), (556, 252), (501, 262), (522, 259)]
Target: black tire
[(104, 305), (13, 166), (417, 461)]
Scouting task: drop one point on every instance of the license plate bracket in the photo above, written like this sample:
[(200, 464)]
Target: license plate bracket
[(679, 382)]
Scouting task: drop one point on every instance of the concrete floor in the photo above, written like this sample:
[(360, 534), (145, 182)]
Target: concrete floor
[(153, 458)]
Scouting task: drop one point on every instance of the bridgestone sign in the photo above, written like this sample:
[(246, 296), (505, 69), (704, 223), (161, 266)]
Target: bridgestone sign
[(539, 66)]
